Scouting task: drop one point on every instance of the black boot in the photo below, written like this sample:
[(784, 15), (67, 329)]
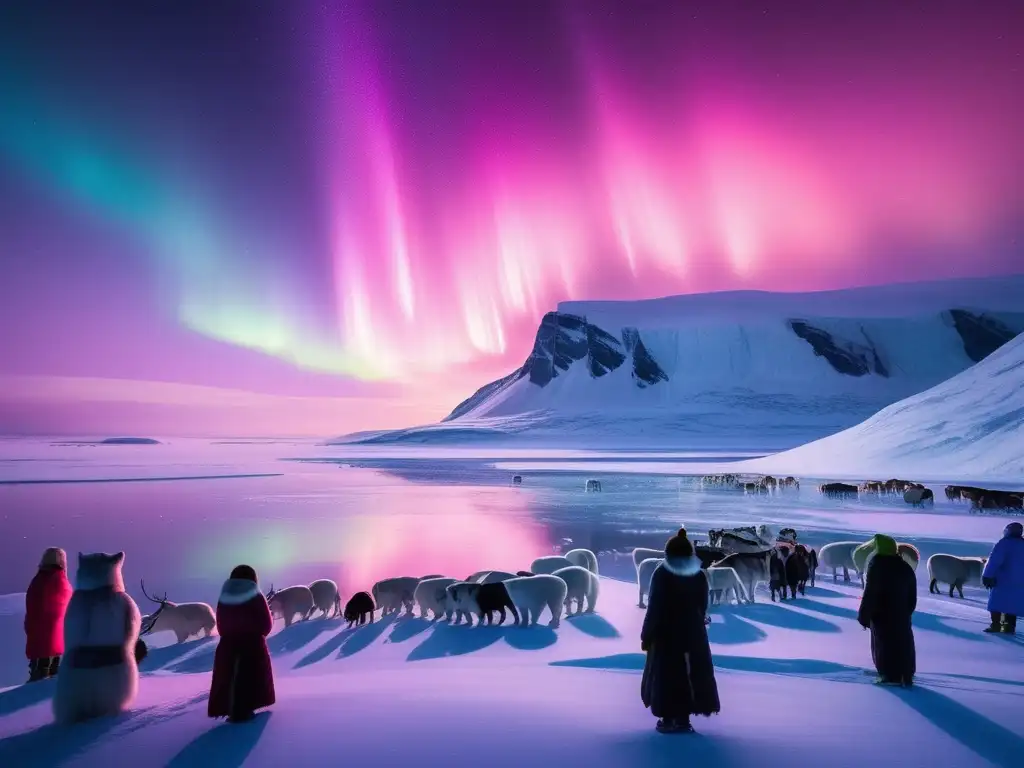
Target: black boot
[(54, 667), (36, 670), (996, 622), (674, 725), (1009, 624)]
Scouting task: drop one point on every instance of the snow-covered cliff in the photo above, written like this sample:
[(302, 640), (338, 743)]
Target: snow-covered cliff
[(746, 368)]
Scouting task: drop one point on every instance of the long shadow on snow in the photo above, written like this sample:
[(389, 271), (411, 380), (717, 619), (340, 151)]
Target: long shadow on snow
[(733, 630), (408, 627), (825, 592), (26, 695), (780, 616), (653, 750), (361, 638), (299, 635), (447, 640), (812, 668), (594, 625), (531, 638), (158, 658), (201, 661), (226, 745), (325, 650), (987, 739), (921, 620), (54, 744)]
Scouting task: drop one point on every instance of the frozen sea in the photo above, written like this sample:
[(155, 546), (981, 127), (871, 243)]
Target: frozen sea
[(187, 511)]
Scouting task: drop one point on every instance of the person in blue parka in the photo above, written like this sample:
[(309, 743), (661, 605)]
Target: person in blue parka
[(1004, 576)]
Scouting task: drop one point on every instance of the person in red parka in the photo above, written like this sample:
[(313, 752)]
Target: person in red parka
[(45, 603), (243, 679)]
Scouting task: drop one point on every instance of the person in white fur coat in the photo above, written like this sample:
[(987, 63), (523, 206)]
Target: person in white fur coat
[(99, 675)]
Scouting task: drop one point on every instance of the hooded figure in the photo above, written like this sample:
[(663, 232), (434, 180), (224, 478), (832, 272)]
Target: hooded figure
[(679, 676), (1004, 575), (886, 608), (46, 602), (243, 679)]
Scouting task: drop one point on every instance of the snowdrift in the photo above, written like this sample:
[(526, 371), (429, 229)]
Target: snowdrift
[(711, 369), (968, 427)]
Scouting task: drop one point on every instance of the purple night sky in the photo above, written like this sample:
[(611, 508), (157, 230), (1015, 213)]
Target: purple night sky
[(263, 218)]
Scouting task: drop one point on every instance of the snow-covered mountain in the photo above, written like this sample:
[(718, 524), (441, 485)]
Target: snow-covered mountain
[(969, 426), (734, 369)]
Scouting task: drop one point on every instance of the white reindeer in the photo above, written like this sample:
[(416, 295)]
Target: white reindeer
[(183, 619), (290, 602)]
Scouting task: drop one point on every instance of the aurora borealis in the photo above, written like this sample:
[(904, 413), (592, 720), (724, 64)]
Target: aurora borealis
[(317, 218)]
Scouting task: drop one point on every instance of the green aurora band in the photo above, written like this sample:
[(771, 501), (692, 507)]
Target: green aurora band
[(216, 295)]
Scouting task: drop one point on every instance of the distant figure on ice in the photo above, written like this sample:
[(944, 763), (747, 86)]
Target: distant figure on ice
[(98, 676), (679, 676), (889, 600), (45, 604), (1004, 575), (243, 679)]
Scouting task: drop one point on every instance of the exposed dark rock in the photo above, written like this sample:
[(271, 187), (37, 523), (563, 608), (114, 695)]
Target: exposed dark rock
[(564, 339), (846, 357), (981, 334), (561, 341), (603, 351), (646, 370)]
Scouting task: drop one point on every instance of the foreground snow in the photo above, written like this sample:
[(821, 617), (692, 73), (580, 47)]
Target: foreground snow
[(405, 693)]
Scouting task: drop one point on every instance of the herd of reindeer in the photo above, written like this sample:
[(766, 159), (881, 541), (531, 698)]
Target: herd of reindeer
[(913, 493), (734, 560)]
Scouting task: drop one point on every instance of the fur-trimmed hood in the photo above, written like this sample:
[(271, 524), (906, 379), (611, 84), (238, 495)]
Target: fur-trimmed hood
[(238, 591), (682, 566)]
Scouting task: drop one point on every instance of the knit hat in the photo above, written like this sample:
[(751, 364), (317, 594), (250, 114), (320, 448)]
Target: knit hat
[(885, 545), (679, 546), (246, 572), (54, 557), (1014, 530)]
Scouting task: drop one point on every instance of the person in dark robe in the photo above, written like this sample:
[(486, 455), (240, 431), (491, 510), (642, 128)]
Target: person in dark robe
[(46, 602), (886, 608), (243, 678), (679, 676)]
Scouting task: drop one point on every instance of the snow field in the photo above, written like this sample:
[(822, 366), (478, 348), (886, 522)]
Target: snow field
[(405, 693)]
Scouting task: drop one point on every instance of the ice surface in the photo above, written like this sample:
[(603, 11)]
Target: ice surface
[(405, 693)]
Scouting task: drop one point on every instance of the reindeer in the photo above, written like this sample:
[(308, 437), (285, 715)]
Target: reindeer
[(290, 602), (183, 619)]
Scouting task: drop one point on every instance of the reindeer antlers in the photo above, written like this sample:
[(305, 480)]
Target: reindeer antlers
[(158, 601)]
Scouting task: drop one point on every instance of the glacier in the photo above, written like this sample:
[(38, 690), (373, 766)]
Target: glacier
[(730, 370), (967, 427)]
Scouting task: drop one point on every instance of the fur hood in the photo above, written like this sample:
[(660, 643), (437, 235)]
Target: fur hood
[(54, 557), (1013, 531), (682, 566), (238, 591)]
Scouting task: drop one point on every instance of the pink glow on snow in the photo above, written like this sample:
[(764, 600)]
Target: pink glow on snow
[(461, 538)]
